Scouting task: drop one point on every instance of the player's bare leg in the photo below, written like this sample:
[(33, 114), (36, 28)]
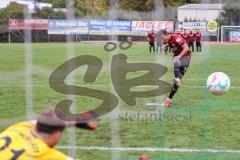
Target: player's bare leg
[(179, 71), (173, 91)]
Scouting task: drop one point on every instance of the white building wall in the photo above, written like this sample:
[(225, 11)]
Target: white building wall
[(198, 14)]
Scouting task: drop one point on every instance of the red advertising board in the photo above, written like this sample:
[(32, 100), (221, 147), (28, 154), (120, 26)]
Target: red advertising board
[(28, 24), (149, 25), (142, 27)]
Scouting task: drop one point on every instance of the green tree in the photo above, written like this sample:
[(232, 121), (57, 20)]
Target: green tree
[(48, 13), (55, 3), (91, 7), (177, 3), (147, 5), (230, 15), (13, 10), (139, 5), (46, 1), (58, 4)]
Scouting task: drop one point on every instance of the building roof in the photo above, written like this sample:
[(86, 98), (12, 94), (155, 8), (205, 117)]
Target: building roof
[(201, 7)]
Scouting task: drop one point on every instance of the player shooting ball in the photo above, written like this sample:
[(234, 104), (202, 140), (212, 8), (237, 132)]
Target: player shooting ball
[(35, 140), (181, 60)]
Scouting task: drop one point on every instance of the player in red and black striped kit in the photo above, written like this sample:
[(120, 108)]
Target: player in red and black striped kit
[(191, 39), (151, 41), (198, 36), (185, 36), (181, 60)]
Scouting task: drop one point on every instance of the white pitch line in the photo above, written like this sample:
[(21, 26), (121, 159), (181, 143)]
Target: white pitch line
[(74, 81), (153, 104), (181, 150), (100, 85)]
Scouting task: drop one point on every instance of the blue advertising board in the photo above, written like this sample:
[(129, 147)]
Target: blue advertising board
[(234, 36), (92, 27), (121, 27), (67, 27), (108, 27)]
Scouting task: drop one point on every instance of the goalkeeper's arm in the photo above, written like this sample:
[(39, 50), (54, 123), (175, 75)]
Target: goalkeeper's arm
[(83, 125)]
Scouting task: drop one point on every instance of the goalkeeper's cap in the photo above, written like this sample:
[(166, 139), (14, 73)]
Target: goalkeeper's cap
[(51, 120)]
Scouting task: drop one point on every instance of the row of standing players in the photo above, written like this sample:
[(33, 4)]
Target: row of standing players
[(192, 39)]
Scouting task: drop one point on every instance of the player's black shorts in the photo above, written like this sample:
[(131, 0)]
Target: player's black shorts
[(179, 70)]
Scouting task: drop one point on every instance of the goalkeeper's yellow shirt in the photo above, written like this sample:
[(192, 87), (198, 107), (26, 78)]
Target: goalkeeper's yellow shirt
[(18, 143)]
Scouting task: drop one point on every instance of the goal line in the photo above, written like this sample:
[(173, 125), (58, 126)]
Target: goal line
[(181, 150)]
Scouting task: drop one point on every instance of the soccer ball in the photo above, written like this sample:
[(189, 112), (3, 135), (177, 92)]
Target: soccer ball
[(218, 83)]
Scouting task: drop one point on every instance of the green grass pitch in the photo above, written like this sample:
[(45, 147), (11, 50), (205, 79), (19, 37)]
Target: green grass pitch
[(212, 122)]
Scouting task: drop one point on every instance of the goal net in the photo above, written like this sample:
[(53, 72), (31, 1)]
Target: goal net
[(230, 34)]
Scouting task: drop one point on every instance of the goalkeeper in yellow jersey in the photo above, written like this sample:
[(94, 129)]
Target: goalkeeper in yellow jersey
[(35, 140)]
